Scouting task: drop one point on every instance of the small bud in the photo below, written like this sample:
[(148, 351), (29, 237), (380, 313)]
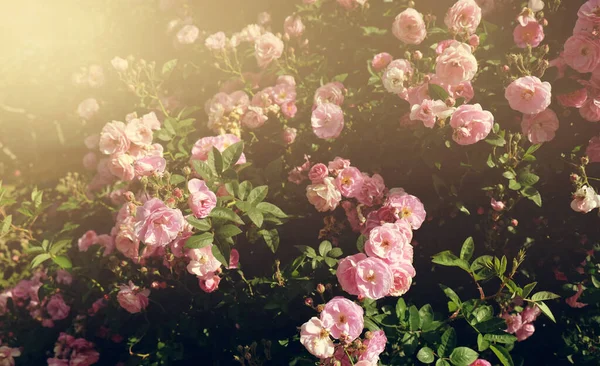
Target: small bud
[(177, 192), (514, 222), (426, 78), (171, 202), (320, 288), (546, 48), (585, 160), (308, 301), (155, 285), (450, 101), (545, 22), (187, 171), (368, 335), (505, 68), (480, 211), (320, 308), (417, 55), (129, 196), (574, 177)]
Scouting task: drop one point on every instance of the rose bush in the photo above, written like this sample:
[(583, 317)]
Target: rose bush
[(355, 182)]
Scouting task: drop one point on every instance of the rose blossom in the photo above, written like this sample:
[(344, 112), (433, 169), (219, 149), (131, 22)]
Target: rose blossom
[(582, 53), (113, 139), (590, 10), (480, 362), (540, 127), (267, 48), (88, 108), (585, 199), (119, 64), (315, 337), (329, 93), (381, 60), (203, 146), (590, 110), (471, 124), (343, 318), (530, 35), (234, 259), (216, 41), (202, 200), (293, 26), (530, 314), (346, 272), (397, 73), (202, 261), (403, 273), (365, 363), (317, 173), (188, 34), (87, 240), (157, 224), (375, 344), (528, 95), (497, 205), (7, 355), (327, 121), (372, 190), (574, 99), (593, 149), (525, 332), (456, 64), (429, 110), (374, 278), (463, 17), (409, 27), (132, 298), (121, 166), (324, 196), (64, 277), (349, 182), (407, 207), (390, 242), (289, 135), (209, 283), (138, 133), (254, 118), (56, 307)]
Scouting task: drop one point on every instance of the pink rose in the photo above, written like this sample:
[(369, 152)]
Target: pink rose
[(286, 79), (56, 307), (293, 26), (267, 48), (540, 127), (92, 141), (289, 109), (329, 93), (530, 314), (7, 355), (374, 278), (343, 318), (396, 75), (88, 108), (202, 200), (317, 173), (351, 4), (463, 17), (254, 118), (390, 242), (480, 362), (429, 111), (87, 240), (327, 121), (456, 64), (513, 322), (121, 166), (64, 277), (409, 27), (132, 298), (590, 110), (403, 274), (216, 41), (149, 165), (530, 35), (574, 99), (337, 165), (471, 124), (365, 363), (324, 196), (590, 11), (315, 337), (113, 139), (284, 93), (407, 207), (209, 283), (349, 182), (234, 259), (497, 205), (374, 344), (203, 146), (372, 190), (525, 332), (289, 135), (585, 199), (593, 150), (157, 224), (188, 34), (463, 90), (582, 53), (138, 133), (528, 95), (202, 261), (346, 272), (381, 60)]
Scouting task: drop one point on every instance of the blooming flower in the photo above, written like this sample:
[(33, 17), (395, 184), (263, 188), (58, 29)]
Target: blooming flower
[(390, 242), (540, 127), (7, 355), (324, 196), (188, 34), (409, 27), (267, 48), (293, 26), (456, 64), (216, 41), (374, 278), (585, 199), (349, 182), (343, 318), (209, 283), (202, 261), (327, 121), (132, 298), (202, 200), (407, 207), (463, 17), (315, 337), (528, 95), (530, 35), (346, 273), (57, 308), (582, 53), (113, 139), (374, 344), (330, 93), (157, 224), (88, 108), (381, 60), (317, 173)]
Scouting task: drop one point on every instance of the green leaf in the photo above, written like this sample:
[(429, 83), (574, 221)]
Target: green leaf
[(495, 140), (232, 154), (177, 179), (200, 224), (258, 194), (335, 253), (508, 175), (482, 344), (533, 195), (527, 178), (245, 188), (436, 92), (502, 355), (360, 243), (256, 217), (6, 224), (546, 310), (342, 77), (57, 246), (266, 207), (528, 288), (425, 355), (414, 319), (203, 169), (500, 338), (532, 149), (448, 342), (324, 247), (169, 66), (426, 316), (233, 188), (400, 309), (451, 294), (468, 247), (441, 362), (493, 325), (39, 259), (309, 251), (369, 31), (447, 258), (228, 231), (62, 261), (226, 214), (371, 325), (512, 184), (272, 239), (463, 356), (221, 251), (199, 241), (544, 295), (215, 161)]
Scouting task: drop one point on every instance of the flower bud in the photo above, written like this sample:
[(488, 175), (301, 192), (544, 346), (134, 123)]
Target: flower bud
[(585, 160), (177, 192), (320, 288), (417, 55), (545, 22), (574, 177), (514, 222), (505, 68), (450, 101), (320, 307), (308, 301)]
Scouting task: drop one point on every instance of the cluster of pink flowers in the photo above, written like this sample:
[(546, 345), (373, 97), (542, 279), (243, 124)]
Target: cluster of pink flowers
[(521, 324), (343, 320), (327, 118), (69, 350), (582, 54), (229, 111), (25, 295)]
